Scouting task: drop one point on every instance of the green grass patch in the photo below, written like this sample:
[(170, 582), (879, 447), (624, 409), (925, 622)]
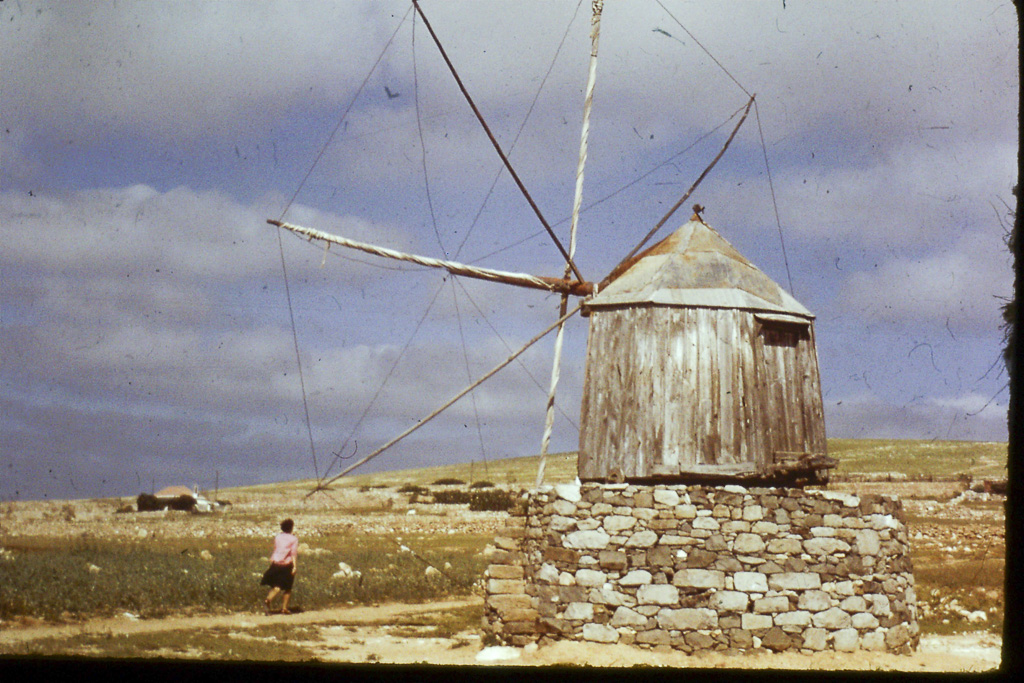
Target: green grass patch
[(209, 644), (441, 624), (95, 578), (915, 458), (951, 576), (951, 584)]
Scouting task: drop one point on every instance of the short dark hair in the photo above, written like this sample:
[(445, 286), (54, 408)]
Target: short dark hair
[(287, 526)]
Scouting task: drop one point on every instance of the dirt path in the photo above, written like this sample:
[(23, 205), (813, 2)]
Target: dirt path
[(129, 624), (366, 634)]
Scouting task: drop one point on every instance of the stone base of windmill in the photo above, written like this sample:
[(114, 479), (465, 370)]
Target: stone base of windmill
[(704, 568)]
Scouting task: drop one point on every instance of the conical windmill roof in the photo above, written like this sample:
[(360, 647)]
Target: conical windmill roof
[(695, 266)]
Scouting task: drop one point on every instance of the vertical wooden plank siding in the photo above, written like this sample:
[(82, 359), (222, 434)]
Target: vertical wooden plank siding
[(668, 388), (684, 369), (752, 429), (671, 412), (789, 376), (712, 399), (650, 429), (728, 415), (627, 396), (585, 458), (792, 425), (783, 380), (815, 410), (619, 400), (773, 386), (700, 407)]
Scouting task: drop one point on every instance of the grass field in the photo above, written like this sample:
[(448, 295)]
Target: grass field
[(914, 458), (958, 564), (856, 456), (106, 577)]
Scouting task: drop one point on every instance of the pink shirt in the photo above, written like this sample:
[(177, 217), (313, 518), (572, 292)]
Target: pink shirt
[(286, 548)]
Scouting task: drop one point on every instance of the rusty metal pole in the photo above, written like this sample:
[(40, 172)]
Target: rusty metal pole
[(597, 6)]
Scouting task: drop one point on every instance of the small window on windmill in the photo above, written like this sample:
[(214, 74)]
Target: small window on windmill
[(783, 330)]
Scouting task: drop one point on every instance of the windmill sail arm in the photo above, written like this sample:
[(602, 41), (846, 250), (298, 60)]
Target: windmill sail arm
[(549, 284), (451, 401), (625, 263), (497, 147)]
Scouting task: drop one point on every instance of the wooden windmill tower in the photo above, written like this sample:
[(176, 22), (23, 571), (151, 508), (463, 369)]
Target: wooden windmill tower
[(698, 365)]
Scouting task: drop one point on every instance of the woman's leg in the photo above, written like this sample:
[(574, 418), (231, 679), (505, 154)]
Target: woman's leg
[(286, 595), (271, 595)]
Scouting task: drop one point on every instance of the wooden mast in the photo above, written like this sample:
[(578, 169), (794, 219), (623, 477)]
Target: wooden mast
[(597, 7), (549, 284)]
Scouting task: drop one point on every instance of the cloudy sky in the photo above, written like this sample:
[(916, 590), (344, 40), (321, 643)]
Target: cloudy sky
[(145, 327)]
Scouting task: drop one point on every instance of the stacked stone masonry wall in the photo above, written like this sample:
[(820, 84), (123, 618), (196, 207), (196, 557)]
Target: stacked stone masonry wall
[(704, 568)]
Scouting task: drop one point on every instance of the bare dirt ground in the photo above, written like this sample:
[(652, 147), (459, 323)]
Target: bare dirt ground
[(381, 633), (362, 634)]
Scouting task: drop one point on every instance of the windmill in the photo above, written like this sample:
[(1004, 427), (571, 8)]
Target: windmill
[(699, 367)]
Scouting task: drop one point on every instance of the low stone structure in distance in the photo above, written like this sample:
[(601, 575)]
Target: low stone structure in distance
[(704, 568)]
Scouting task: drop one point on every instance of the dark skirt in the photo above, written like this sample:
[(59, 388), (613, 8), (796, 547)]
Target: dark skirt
[(279, 576)]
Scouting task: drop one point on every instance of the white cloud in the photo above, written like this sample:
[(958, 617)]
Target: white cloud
[(182, 68), (195, 69), (137, 231), (963, 285), (128, 299), (913, 197), (970, 417)]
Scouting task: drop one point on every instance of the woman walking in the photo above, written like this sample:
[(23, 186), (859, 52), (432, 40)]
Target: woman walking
[(283, 565)]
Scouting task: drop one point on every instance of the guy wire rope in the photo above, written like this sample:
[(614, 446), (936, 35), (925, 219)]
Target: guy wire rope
[(775, 204), (522, 126), (337, 455), (298, 357), (764, 148), (366, 411), (280, 245), (450, 402), (623, 188), (497, 147)]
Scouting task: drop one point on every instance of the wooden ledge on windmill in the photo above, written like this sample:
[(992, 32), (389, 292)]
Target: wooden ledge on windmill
[(782, 319), (789, 461), (720, 468)]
